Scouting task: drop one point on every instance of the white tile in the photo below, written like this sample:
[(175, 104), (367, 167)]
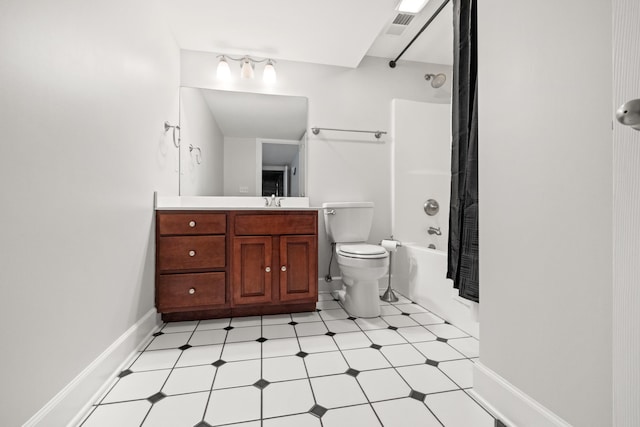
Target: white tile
[(343, 325), (172, 411), (250, 333), (126, 414), (337, 390), (349, 340), (280, 347), (207, 337), (156, 359), (325, 363), (399, 321), (189, 380), (241, 351), (138, 385), (411, 308), (438, 351), (278, 331), (233, 405), (180, 326), (383, 384), (469, 346), (402, 300), (334, 314), (364, 359), (169, 341), (200, 355), (446, 331), (426, 318), (286, 398), (325, 296), (311, 316), (317, 344), (402, 355), (239, 322), (352, 416), (283, 368), (234, 374), (389, 310), (385, 337), (457, 409), (300, 420), (405, 413), (213, 324), (326, 305), (372, 323), (426, 379), (460, 371), (276, 319), (311, 328), (248, 424), (416, 334)]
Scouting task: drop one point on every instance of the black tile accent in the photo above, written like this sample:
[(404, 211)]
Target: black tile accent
[(228, 328), (302, 354), (293, 323), (405, 314), (432, 362), (446, 323), (157, 334), (417, 395), (376, 346), (184, 347), (413, 302), (318, 310), (218, 363), (318, 411), (261, 339), (156, 397), (351, 318), (499, 423), (353, 372), (393, 328), (125, 373), (336, 300), (203, 424), (261, 383), (330, 334), (441, 339)]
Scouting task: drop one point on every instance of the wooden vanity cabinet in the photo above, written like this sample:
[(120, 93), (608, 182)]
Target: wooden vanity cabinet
[(234, 263)]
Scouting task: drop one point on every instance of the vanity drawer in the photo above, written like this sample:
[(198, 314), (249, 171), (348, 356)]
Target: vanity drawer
[(177, 292), (191, 253), (263, 224), (191, 223)]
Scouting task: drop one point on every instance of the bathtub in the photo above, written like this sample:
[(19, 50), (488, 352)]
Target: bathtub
[(420, 274)]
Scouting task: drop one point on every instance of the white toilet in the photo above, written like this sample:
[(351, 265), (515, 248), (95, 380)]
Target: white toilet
[(361, 264)]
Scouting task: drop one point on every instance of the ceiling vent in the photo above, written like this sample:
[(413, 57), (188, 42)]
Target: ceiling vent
[(400, 23)]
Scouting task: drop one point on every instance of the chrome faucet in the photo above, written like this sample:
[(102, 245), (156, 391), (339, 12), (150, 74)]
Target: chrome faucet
[(434, 230)]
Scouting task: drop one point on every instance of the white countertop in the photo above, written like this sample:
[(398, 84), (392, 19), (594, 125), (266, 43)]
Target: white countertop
[(229, 203)]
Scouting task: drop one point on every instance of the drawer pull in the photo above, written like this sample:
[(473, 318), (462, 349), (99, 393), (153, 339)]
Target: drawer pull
[(192, 291), (268, 269), (192, 253), (192, 224), (283, 268)]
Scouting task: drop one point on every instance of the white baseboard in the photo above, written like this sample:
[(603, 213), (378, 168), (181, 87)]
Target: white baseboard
[(73, 401), (325, 287), (508, 403)]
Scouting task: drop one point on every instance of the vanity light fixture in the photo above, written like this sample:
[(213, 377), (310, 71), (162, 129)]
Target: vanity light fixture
[(247, 68), (412, 6)]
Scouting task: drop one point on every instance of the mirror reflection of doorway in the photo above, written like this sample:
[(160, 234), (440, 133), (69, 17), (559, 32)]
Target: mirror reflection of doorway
[(273, 183)]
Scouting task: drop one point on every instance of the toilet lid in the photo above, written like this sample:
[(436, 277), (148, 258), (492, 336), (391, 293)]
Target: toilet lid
[(363, 251)]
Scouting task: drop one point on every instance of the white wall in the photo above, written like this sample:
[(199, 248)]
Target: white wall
[(86, 88), (239, 166), (342, 166), (200, 129), (545, 170)]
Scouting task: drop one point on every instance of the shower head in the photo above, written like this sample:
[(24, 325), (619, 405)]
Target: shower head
[(437, 80)]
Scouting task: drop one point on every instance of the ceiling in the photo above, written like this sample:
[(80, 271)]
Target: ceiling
[(331, 32)]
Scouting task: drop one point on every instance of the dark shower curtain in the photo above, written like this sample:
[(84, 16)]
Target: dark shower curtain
[(463, 215)]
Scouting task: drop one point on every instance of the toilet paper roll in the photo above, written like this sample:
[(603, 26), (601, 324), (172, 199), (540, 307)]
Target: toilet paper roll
[(390, 245)]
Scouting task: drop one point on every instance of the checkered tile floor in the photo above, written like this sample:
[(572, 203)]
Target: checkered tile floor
[(405, 368)]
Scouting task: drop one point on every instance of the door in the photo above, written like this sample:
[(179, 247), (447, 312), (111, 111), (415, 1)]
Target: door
[(251, 270), (298, 268)]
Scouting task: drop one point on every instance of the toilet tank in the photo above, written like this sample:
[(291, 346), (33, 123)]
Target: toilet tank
[(348, 221)]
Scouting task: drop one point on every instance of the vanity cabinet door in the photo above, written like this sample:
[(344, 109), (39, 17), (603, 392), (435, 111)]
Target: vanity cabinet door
[(251, 275), (298, 267)]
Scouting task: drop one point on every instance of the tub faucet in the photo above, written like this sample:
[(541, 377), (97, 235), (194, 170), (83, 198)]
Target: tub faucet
[(434, 230)]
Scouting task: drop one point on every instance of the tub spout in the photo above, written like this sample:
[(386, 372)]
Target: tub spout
[(434, 230)]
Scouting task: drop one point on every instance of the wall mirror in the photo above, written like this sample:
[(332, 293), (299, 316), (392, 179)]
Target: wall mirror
[(242, 144)]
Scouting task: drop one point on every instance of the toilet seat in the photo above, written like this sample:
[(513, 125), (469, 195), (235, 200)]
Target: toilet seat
[(362, 251)]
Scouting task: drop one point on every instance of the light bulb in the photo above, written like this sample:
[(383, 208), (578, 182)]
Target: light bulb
[(223, 72), (247, 69), (269, 75)]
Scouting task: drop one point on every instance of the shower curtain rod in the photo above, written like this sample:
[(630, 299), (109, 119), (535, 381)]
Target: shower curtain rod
[(392, 64), (376, 133)]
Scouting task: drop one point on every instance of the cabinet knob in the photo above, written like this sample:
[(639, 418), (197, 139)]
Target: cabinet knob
[(283, 268), (192, 253), (192, 224), (268, 269), (192, 291)]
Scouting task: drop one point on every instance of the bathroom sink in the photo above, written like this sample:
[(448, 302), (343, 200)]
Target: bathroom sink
[(204, 202)]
